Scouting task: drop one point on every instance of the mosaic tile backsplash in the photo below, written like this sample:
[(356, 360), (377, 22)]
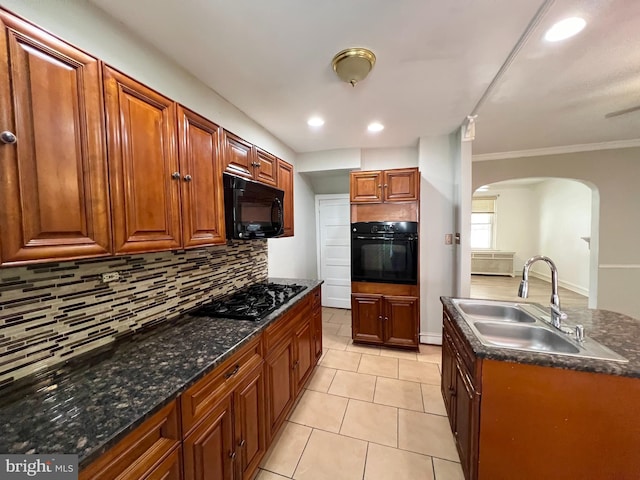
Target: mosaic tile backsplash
[(52, 312)]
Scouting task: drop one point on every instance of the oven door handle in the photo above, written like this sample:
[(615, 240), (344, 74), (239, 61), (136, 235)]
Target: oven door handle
[(359, 237)]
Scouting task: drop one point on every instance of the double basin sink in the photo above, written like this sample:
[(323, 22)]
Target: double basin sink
[(526, 327)]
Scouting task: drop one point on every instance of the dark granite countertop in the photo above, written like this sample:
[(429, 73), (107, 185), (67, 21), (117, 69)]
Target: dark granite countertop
[(86, 407), (616, 331)]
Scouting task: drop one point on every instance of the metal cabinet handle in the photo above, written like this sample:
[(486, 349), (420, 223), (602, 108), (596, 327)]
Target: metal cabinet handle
[(187, 178), (379, 186), (386, 319), (175, 175), (232, 455), (295, 365), (232, 372), (385, 185), (241, 443), (8, 137)]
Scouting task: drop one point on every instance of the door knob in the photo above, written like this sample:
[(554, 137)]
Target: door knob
[(8, 137)]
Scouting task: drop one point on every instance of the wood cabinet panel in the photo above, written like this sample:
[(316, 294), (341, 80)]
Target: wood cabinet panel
[(366, 187), (54, 199), (366, 311), (401, 185), (138, 453), (201, 190), (266, 168), (142, 161), (250, 420), (316, 322), (280, 385), (400, 321), (170, 468), (285, 182), (305, 353), (239, 156), (209, 451)]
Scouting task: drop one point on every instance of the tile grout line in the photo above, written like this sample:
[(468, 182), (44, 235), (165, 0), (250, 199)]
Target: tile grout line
[(366, 456), (302, 453)]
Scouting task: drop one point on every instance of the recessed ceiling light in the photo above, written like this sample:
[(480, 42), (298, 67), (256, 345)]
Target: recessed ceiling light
[(375, 127), (315, 122), (564, 29)]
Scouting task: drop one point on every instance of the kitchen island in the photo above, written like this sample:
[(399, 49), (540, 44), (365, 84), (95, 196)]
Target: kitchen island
[(88, 406), (531, 415)]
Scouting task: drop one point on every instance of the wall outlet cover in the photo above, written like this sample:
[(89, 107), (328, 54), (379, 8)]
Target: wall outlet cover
[(110, 277)]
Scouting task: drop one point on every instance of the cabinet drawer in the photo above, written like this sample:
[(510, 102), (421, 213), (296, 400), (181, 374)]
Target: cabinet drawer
[(141, 451), (201, 397), (283, 327), (462, 349)]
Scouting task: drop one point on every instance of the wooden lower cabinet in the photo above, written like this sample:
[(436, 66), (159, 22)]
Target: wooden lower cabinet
[(501, 413), (316, 321), (209, 451), (221, 427), (385, 320)]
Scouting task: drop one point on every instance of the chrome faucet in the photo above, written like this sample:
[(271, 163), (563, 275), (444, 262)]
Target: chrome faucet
[(557, 316)]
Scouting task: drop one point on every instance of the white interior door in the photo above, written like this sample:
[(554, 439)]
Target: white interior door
[(334, 249)]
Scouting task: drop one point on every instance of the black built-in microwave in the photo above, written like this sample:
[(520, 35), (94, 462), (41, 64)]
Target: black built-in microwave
[(252, 209)]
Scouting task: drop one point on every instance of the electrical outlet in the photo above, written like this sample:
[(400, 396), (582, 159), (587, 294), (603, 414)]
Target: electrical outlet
[(448, 239), (110, 277)]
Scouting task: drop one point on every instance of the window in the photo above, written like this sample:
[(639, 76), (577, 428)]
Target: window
[(483, 213)]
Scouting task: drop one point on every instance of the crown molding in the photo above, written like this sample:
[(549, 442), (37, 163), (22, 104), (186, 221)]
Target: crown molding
[(536, 152)]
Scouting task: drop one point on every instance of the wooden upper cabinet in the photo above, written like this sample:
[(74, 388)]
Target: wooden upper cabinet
[(54, 199), (401, 185), (143, 162), (201, 190), (239, 156), (366, 187), (285, 182), (266, 170), (378, 186)]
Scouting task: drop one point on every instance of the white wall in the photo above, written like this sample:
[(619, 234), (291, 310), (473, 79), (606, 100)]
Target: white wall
[(327, 160), (565, 216), (388, 158), (614, 175), (87, 27), (437, 204)]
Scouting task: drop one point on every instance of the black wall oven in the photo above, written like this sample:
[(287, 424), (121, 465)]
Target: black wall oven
[(384, 252)]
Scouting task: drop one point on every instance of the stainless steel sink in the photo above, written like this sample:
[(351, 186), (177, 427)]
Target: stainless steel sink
[(501, 312), (527, 327), (524, 337)]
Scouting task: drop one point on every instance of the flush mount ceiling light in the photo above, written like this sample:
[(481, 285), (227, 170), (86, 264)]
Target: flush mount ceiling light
[(375, 127), (353, 64), (564, 29), (315, 122)]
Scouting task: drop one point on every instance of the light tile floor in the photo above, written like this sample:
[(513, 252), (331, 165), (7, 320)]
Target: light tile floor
[(367, 413)]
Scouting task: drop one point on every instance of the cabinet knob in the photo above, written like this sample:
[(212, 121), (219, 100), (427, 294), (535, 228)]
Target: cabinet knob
[(8, 137), (187, 178), (379, 186), (232, 455), (386, 319), (241, 443), (385, 185), (232, 372), (175, 175)]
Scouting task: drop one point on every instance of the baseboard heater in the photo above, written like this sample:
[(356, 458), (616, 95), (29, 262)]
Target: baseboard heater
[(492, 262)]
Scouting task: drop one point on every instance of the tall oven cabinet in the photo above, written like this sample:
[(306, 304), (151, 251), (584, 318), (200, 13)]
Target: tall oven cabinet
[(385, 302)]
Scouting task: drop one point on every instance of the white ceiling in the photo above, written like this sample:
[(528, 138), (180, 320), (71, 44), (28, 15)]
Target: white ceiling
[(435, 60)]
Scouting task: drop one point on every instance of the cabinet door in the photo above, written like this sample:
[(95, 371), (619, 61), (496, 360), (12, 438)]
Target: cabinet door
[(305, 352), (201, 190), (209, 452), (280, 384), (143, 163), (466, 429), (401, 185), (266, 170), (54, 200), (448, 385), (250, 436), (366, 187), (366, 318), (239, 156), (285, 182), (401, 320)]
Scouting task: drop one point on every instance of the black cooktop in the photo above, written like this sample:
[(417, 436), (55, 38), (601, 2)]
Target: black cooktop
[(251, 303)]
